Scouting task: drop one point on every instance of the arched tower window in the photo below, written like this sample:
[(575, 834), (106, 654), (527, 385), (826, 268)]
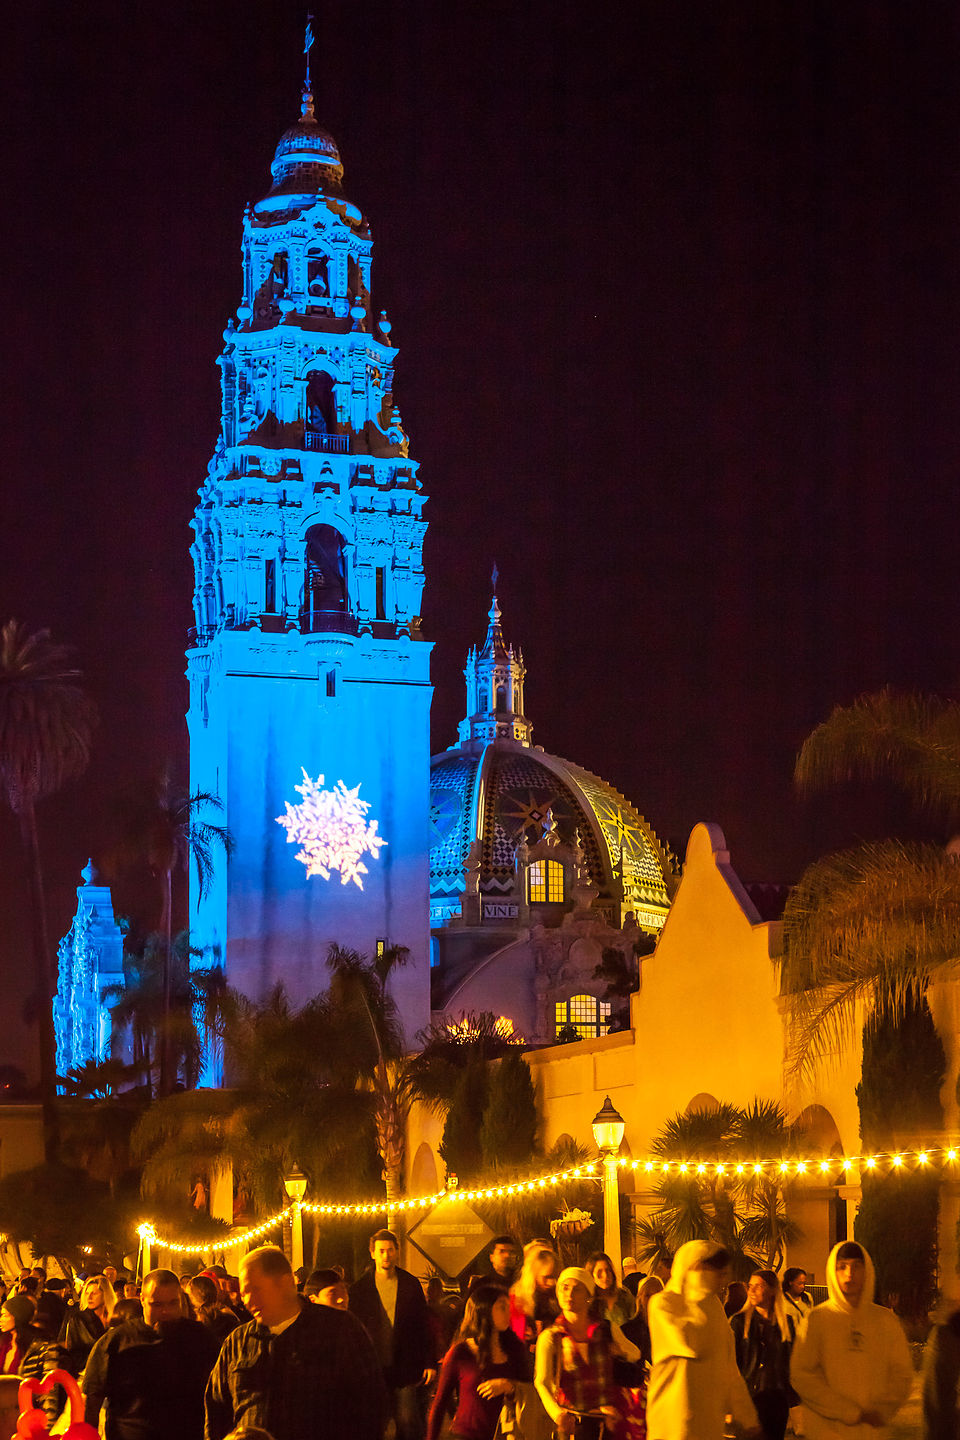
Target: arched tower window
[(279, 273), (545, 883), (318, 277), (320, 407), (586, 1014), (325, 581), (274, 285)]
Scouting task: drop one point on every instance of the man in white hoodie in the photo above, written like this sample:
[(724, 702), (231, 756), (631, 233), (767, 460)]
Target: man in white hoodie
[(851, 1363), (694, 1381)]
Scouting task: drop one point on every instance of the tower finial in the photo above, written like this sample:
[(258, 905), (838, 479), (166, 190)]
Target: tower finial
[(306, 102), (495, 576)]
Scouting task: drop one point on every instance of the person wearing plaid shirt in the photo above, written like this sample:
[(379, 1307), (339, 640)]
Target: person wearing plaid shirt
[(296, 1370)]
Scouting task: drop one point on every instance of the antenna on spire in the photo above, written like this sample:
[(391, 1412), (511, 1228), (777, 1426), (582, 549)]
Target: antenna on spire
[(306, 104), (307, 46), (495, 576)]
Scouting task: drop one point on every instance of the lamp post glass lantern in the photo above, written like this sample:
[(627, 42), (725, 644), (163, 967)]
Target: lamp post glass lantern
[(295, 1185), (608, 1128)]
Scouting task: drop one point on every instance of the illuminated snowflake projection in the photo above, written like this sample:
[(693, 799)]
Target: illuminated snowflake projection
[(332, 830)]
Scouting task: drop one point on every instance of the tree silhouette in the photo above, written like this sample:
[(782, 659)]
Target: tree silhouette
[(874, 925), (166, 832), (46, 727)]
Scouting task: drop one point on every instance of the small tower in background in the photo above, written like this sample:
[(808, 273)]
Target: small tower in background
[(89, 959)]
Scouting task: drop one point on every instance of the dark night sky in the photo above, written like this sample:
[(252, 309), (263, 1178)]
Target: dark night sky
[(675, 288)]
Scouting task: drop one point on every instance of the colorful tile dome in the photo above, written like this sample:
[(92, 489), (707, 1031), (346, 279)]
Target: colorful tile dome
[(495, 794)]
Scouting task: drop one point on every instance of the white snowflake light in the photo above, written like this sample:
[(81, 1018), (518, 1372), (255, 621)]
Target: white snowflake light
[(332, 830)]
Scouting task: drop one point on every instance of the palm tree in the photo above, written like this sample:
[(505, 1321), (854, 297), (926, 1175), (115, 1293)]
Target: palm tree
[(745, 1213), (96, 1079), (874, 926), (320, 1087), (190, 1024), (281, 1108), (46, 727), (138, 1002), (98, 1117), (370, 1056), (167, 833)]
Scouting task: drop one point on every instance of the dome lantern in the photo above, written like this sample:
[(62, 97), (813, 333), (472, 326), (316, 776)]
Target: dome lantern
[(494, 674)]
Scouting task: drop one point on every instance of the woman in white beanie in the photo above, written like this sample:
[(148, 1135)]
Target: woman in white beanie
[(574, 1363), (694, 1381)]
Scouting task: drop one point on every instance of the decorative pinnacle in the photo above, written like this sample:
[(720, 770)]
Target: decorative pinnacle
[(306, 105), (495, 576)]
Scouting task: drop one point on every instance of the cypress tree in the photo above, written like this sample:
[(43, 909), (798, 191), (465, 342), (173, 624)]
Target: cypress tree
[(460, 1149), (899, 1097), (509, 1133)]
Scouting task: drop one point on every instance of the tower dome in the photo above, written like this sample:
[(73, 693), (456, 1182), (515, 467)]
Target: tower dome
[(306, 162), (497, 802)]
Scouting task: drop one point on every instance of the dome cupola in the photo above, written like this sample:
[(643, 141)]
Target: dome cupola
[(306, 162)]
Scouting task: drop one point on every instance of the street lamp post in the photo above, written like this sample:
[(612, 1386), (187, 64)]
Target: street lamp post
[(608, 1127), (295, 1185)]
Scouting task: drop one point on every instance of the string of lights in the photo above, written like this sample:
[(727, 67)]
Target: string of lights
[(792, 1166)]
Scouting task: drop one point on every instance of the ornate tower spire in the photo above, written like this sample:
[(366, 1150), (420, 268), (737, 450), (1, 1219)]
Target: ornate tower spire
[(495, 674), (307, 658)]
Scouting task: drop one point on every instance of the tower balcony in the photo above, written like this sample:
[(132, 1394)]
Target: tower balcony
[(326, 443), (327, 622)]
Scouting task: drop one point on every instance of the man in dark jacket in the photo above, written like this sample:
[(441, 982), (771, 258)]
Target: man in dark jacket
[(394, 1310), (151, 1372), (296, 1370)]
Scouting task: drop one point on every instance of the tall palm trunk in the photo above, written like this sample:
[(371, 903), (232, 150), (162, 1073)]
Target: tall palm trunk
[(165, 1076), (390, 1128), (46, 983)]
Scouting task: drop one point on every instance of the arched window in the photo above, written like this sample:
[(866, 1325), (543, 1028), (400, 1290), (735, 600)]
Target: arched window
[(274, 285), (545, 883), (586, 1014), (324, 581), (320, 407), (278, 273), (318, 281)]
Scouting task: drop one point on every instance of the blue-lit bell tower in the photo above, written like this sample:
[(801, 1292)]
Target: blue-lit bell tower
[(309, 677)]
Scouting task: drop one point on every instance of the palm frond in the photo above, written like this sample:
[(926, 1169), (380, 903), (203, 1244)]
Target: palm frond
[(651, 1242), (878, 923), (447, 1049), (698, 1132), (46, 719), (911, 740), (890, 909)]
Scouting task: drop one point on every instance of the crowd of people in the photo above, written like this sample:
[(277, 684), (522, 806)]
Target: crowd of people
[(525, 1348)]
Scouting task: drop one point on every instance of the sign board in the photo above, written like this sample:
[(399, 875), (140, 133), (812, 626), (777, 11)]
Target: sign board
[(499, 910), (450, 1235)]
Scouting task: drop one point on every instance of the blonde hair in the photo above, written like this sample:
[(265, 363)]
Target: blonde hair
[(534, 1264), (101, 1283), (646, 1290)]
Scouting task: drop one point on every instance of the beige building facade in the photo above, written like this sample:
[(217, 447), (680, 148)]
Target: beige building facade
[(708, 1026)]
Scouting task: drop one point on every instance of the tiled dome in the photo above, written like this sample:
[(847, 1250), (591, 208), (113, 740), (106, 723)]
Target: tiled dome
[(495, 789)]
